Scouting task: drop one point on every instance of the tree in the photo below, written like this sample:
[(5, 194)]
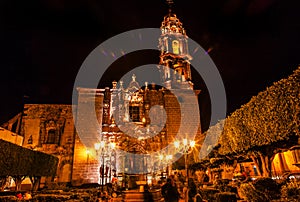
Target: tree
[(19, 162), (265, 125)]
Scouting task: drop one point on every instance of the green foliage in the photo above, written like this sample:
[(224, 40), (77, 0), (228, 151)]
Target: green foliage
[(291, 191), (251, 194), (202, 165), (18, 161), (268, 186), (270, 117), (262, 189), (8, 198), (226, 197)]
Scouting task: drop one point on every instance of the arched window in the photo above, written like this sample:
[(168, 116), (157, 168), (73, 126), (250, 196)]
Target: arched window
[(175, 46), (51, 137), (134, 112)]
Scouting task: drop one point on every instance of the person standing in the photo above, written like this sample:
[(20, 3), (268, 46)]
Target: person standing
[(205, 178), (169, 191), (192, 190)]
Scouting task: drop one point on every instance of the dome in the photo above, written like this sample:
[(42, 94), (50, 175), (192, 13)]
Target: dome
[(171, 24)]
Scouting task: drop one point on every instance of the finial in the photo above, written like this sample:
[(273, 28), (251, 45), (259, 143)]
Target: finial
[(133, 77), (114, 83)]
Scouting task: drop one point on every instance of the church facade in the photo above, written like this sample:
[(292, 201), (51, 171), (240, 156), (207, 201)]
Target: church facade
[(136, 123), (153, 110)]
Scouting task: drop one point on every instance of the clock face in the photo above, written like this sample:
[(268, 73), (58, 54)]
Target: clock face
[(175, 46)]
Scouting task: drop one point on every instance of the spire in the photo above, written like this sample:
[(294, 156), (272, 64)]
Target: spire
[(133, 77), (170, 5), (171, 24)]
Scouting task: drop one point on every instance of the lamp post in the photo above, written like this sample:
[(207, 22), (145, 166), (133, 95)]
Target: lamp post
[(166, 158), (185, 147), (104, 149)]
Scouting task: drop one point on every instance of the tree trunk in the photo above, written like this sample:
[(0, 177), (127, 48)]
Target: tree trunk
[(263, 164), (18, 181), (36, 184), (235, 163), (258, 165), (3, 181), (266, 165), (35, 181)]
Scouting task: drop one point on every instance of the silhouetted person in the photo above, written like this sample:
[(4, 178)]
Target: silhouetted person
[(192, 190), (147, 195), (169, 191), (205, 178)]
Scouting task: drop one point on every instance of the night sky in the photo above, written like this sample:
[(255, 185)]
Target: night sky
[(43, 44)]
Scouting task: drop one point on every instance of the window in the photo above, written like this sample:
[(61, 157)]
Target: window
[(175, 46), (134, 113), (51, 137)]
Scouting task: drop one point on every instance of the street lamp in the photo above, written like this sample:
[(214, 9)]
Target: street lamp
[(104, 149), (185, 147), (166, 158)]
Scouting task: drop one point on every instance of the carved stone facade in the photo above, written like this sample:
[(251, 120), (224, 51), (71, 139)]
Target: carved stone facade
[(50, 128), (138, 118)]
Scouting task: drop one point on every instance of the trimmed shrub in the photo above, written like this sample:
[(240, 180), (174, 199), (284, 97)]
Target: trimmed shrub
[(268, 186), (8, 198), (262, 189), (251, 194), (226, 197), (291, 191), (19, 161)]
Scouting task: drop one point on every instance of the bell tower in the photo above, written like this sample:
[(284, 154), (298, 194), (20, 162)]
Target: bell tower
[(175, 60)]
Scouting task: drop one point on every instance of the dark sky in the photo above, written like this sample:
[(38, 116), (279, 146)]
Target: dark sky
[(43, 43)]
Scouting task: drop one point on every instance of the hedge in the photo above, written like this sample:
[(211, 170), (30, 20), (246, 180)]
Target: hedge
[(19, 161)]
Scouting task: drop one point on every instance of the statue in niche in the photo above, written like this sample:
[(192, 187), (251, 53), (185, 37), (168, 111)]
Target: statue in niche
[(53, 129)]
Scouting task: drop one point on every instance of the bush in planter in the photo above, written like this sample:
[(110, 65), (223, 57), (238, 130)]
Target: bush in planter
[(8, 198), (291, 191), (226, 197), (267, 186), (252, 194), (262, 189)]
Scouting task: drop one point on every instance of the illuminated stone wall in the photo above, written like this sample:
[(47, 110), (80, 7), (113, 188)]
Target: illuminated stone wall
[(85, 165), (286, 162), (10, 136), (49, 128)]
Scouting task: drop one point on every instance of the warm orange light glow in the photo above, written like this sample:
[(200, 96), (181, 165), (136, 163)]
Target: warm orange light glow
[(192, 143), (97, 146), (102, 144), (112, 145), (176, 144), (169, 157), (185, 141)]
